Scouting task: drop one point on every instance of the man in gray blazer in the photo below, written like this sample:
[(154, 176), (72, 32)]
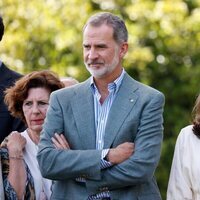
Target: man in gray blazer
[(113, 125)]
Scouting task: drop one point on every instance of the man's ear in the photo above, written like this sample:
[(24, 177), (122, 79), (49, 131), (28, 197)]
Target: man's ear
[(123, 49)]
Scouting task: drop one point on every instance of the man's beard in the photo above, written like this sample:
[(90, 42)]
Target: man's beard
[(103, 70)]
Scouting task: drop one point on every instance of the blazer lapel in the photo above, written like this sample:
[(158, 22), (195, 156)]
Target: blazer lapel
[(83, 109), (121, 107)]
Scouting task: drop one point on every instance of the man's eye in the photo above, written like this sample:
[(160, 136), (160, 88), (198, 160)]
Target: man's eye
[(101, 47), (86, 47)]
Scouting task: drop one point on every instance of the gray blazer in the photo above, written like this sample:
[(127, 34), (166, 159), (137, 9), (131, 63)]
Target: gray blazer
[(135, 116)]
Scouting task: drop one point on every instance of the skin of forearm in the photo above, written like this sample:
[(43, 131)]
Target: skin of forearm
[(17, 176)]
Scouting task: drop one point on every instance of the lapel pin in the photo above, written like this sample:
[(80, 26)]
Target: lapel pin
[(131, 100)]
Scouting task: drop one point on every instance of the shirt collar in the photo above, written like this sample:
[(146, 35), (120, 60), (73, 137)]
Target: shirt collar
[(113, 85)]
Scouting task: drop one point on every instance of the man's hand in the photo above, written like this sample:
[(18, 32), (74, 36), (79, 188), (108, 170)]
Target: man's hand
[(60, 142), (121, 153)]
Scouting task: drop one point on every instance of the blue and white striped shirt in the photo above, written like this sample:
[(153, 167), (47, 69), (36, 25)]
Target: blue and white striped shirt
[(101, 116)]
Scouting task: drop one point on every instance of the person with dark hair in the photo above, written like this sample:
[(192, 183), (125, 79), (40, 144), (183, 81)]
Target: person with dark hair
[(1, 28), (7, 79), (28, 100), (184, 182), (113, 125)]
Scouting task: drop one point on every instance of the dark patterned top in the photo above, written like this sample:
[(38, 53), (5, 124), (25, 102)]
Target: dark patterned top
[(10, 193)]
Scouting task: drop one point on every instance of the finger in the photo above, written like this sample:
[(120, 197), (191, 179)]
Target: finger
[(56, 143), (13, 132), (64, 140), (60, 140), (129, 145)]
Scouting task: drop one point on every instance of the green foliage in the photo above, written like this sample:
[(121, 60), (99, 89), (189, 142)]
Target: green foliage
[(164, 43)]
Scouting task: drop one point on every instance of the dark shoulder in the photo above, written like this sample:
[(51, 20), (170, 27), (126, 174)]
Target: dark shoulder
[(9, 75), (12, 73), (15, 74)]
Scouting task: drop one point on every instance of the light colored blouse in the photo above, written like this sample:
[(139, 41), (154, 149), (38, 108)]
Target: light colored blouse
[(184, 181), (30, 153)]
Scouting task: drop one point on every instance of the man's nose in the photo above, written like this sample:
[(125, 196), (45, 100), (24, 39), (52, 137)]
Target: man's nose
[(92, 54)]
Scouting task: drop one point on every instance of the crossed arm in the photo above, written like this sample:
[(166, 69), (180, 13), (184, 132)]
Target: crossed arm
[(115, 155)]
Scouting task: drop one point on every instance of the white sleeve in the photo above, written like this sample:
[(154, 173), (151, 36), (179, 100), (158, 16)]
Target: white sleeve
[(179, 186)]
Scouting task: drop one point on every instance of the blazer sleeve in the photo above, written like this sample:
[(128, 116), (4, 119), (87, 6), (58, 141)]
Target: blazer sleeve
[(140, 167), (64, 164), (179, 186)]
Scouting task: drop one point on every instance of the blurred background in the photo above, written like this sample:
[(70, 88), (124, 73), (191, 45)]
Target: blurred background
[(164, 47)]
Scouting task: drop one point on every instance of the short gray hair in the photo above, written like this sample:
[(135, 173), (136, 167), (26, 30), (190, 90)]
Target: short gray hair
[(120, 33)]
